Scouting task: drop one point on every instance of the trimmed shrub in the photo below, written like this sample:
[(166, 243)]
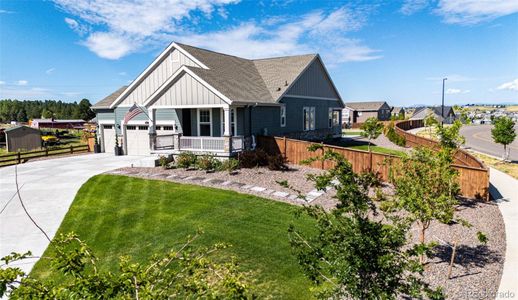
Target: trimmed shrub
[(207, 163), (230, 165), (252, 159), (186, 160), (277, 162)]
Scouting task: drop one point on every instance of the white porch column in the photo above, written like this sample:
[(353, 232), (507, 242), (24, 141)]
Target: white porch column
[(152, 128), (226, 117), (226, 130)]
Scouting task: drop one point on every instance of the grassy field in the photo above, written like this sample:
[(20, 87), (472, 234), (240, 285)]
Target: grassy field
[(509, 168), (118, 215), (377, 149)]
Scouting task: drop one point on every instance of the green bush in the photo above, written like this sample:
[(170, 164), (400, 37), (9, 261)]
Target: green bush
[(277, 162), (230, 165), (163, 161), (186, 160), (252, 159), (390, 133), (207, 163)]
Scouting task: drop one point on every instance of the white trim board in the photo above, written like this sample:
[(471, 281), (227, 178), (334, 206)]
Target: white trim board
[(311, 97)]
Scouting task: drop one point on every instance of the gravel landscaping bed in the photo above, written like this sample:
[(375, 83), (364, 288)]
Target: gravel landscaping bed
[(477, 270)]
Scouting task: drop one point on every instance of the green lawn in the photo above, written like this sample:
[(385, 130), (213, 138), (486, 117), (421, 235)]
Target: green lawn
[(119, 215), (377, 149), (344, 132)]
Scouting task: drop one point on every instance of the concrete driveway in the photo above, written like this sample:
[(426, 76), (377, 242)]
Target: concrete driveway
[(47, 188), (478, 137)]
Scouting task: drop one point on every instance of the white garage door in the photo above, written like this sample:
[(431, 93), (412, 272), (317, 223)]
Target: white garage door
[(137, 138), (164, 130), (108, 135)]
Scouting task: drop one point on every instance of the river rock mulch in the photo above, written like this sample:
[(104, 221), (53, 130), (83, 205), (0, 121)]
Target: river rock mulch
[(477, 269)]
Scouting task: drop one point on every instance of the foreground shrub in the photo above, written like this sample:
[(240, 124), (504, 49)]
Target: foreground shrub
[(186, 160)]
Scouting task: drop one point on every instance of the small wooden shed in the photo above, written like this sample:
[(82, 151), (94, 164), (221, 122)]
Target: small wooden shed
[(22, 138)]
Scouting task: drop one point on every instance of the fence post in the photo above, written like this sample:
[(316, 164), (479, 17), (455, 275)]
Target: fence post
[(285, 145), (71, 149), (19, 157), (322, 160), (46, 151), (370, 161)]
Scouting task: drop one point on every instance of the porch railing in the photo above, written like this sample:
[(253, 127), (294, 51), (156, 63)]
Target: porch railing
[(197, 143)]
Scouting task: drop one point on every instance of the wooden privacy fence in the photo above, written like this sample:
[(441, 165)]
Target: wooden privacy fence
[(19, 157), (474, 182)]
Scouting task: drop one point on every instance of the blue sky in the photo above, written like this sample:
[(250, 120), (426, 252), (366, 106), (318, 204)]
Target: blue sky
[(375, 50)]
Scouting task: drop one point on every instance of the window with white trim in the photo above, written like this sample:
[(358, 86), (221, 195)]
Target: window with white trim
[(283, 115), (232, 122), (330, 118), (309, 118), (204, 122), (336, 118)]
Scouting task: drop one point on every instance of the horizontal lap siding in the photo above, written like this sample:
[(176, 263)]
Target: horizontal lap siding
[(474, 182)]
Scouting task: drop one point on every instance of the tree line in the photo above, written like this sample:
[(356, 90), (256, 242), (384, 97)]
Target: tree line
[(23, 111)]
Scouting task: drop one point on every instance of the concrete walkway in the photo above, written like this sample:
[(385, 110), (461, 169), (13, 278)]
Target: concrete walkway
[(504, 190), (47, 188)]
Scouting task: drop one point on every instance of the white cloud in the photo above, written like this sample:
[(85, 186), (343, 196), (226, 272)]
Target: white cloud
[(24, 93), (75, 26), (469, 12), (310, 33), (2, 82), (410, 7), (22, 82), (128, 27), (131, 25), (510, 86), (3, 11), (452, 91), (122, 73), (50, 71)]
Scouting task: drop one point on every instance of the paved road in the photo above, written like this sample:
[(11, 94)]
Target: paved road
[(47, 188), (478, 137)]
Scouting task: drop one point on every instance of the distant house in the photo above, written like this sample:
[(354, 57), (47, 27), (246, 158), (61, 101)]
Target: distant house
[(202, 101), (22, 138), (57, 124), (448, 117), (398, 112), (358, 112)]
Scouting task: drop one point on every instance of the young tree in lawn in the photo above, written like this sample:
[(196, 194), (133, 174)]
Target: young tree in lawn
[(371, 129), (503, 132), (350, 254), (426, 187)]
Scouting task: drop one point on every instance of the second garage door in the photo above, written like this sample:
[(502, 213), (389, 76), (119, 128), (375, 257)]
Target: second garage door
[(108, 135), (137, 139)]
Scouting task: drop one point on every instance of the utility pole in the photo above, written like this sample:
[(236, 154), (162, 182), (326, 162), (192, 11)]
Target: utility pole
[(442, 107)]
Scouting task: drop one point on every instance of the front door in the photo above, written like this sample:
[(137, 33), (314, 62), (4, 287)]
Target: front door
[(186, 122)]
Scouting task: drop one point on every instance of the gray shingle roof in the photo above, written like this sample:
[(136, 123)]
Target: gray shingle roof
[(106, 102), (241, 79), (365, 106)]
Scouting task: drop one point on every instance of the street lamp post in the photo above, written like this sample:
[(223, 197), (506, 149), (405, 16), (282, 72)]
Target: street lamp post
[(442, 106)]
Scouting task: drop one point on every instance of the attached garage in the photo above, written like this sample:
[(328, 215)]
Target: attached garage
[(137, 140), (108, 135)]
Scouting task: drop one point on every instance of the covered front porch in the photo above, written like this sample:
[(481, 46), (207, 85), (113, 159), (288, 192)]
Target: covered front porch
[(203, 130)]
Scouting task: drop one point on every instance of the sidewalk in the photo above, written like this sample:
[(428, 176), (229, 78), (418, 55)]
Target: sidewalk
[(504, 190)]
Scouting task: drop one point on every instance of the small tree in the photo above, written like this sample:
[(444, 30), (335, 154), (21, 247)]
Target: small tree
[(371, 129), (426, 188), (350, 254), (503, 132), (429, 122), (449, 136)]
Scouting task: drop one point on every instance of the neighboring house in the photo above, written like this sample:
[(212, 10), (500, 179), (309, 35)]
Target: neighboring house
[(420, 113), (203, 101), (358, 112), (22, 138), (57, 124), (398, 112)]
